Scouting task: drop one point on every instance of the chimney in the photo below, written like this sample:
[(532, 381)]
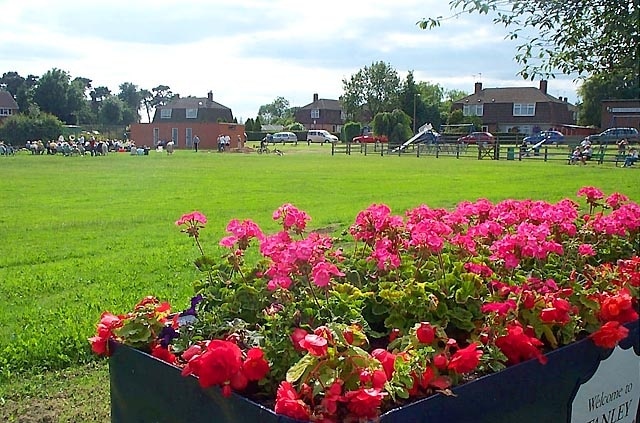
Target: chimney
[(543, 86), (315, 97), (210, 96), (478, 88)]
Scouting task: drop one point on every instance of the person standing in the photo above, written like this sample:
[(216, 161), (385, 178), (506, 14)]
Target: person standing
[(196, 141)]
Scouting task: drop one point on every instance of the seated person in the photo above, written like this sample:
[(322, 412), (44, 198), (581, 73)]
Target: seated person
[(576, 155), (631, 158), (587, 152)]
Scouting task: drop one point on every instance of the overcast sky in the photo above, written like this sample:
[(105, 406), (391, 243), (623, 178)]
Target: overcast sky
[(248, 52)]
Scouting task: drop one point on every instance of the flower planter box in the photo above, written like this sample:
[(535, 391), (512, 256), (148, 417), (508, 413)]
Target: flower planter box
[(580, 383)]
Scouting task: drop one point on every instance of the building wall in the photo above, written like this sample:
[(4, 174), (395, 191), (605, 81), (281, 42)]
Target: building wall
[(142, 133), (620, 113), (329, 120)]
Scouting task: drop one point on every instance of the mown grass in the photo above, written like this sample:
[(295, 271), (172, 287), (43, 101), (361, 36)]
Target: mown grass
[(83, 235)]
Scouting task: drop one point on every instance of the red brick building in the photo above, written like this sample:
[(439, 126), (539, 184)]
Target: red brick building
[(322, 113), (518, 109), (182, 119), (620, 113)]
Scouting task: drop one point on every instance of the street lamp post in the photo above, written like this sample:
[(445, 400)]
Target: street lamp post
[(415, 98)]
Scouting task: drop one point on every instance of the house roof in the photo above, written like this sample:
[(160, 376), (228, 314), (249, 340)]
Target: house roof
[(7, 101), (193, 103), (510, 95), (324, 104)]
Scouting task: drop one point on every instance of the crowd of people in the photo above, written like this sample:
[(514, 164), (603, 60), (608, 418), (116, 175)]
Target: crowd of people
[(80, 146)]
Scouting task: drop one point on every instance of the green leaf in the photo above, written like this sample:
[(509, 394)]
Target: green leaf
[(305, 364)]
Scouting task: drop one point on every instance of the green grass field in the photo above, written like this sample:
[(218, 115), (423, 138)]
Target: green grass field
[(83, 235)]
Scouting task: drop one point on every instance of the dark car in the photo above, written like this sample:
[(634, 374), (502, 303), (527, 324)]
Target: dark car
[(478, 138), (613, 135), (549, 137)]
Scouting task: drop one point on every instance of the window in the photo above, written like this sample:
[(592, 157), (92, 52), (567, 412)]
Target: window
[(473, 110), (343, 115), (188, 136), (524, 109), (174, 136), (6, 112), (165, 113), (192, 113), (315, 113)]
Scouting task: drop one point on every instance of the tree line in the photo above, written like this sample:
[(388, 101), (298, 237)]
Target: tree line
[(75, 101)]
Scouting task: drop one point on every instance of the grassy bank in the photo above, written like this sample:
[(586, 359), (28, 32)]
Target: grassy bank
[(83, 235)]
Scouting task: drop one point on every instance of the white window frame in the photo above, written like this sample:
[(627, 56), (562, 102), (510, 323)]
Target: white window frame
[(6, 112), (473, 109), (524, 109), (165, 113), (191, 113), (174, 136), (188, 137), (315, 113)]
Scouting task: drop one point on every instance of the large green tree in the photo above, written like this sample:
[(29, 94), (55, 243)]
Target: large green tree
[(572, 36), (51, 93), (131, 97), (278, 111), (395, 125), (371, 90)]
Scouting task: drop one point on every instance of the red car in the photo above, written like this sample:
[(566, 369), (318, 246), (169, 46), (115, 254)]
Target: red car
[(370, 138), (477, 137)]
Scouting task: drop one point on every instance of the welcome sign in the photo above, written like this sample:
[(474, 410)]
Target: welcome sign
[(612, 394)]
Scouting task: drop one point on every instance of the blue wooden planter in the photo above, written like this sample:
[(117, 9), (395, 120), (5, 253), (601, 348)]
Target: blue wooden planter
[(581, 383)]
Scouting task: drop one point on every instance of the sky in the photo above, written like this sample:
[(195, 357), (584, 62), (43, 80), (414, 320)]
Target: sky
[(249, 52)]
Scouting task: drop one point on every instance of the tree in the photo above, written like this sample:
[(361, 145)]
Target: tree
[(12, 82), (249, 125), (395, 125), (161, 95), (16, 130), (373, 89), (112, 111), (131, 97), (577, 36), (350, 130), (257, 124), (77, 100), (277, 110), (21, 88), (146, 99), (51, 93), (602, 87)]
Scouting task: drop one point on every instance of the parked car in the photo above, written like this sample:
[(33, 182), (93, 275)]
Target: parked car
[(549, 137), (284, 137), (613, 135), (321, 136), (478, 138), (370, 138)]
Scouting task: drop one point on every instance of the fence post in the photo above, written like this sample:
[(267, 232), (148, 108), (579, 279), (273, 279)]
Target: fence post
[(546, 152), (333, 149)]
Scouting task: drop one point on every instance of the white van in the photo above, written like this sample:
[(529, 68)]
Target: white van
[(321, 136)]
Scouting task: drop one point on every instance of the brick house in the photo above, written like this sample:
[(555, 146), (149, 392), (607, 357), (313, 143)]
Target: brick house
[(181, 119), (525, 110), (322, 113), (620, 113), (8, 106)]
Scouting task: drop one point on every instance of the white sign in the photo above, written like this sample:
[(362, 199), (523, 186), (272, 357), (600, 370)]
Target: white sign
[(612, 394)]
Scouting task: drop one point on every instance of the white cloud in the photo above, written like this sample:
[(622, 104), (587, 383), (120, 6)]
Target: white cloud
[(248, 52)]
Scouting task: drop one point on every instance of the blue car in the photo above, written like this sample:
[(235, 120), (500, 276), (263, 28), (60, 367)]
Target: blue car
[(549, 137)]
